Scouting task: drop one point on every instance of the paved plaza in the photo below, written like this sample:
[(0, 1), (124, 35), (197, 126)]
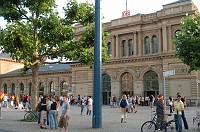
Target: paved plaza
[(110, 121)]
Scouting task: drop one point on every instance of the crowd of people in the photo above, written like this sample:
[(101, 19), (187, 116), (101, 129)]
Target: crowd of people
[(48, 107), (15, 101), (128, 104), (48, 110)]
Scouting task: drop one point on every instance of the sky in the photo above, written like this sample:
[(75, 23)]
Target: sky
[(112, 9)]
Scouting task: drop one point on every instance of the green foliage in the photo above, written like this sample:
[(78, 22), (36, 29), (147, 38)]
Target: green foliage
[(187, 42), (35, 32)]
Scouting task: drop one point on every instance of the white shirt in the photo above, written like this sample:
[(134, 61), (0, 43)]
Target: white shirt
[(5, 98), (90, 101)]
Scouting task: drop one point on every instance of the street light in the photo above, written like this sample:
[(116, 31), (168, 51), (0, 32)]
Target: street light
[(97, 108), (166, 74)]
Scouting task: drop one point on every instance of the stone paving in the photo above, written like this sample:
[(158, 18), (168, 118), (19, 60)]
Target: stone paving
[(110, 121)]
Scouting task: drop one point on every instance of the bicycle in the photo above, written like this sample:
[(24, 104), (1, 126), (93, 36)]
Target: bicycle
[(153, 124), (30, 116)]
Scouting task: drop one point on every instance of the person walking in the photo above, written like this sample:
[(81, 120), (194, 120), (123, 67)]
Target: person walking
[(5, 100), (12, 98), (178, 108), (151, 101), (133, 103), (159, 111), (89, 105), (1, 103), (170, 102), (82, 103), (52, 114), (16, 102), (123, 104), (43, 111), (183, 113), (64, 118)]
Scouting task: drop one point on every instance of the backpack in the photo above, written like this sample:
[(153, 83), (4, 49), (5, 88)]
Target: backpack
[(123, 103), (38, 108)]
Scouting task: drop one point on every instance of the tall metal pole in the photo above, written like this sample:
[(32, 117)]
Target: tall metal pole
[(165, 100), (97, 108), (126, 5)]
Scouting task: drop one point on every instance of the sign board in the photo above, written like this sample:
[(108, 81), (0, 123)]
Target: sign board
[(126, 13), (169, 73)]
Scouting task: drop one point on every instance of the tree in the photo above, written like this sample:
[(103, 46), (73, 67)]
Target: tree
[(187, 41), (36, 32)]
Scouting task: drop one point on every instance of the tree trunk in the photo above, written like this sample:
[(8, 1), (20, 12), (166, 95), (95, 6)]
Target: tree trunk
[(34, 89)]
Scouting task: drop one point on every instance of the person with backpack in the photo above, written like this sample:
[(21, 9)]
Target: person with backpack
[(123, 104)]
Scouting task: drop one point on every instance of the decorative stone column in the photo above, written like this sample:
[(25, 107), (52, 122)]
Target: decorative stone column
[(135, 44), (164, 33)]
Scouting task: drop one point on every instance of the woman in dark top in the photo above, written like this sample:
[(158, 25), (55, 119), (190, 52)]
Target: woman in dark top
[(52, 114)]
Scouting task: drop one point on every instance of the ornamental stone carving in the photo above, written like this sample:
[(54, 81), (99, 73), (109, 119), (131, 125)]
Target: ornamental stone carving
[(81, 75)]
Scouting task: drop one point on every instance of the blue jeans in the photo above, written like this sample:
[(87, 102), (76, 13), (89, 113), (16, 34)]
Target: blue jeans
[(82, 108), (112, 104), (184, 120), (52, 118), (178, 117), (5, 104), (39, 115)]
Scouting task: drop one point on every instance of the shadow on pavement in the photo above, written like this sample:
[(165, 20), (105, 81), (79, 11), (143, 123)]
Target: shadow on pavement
[(2, 130)]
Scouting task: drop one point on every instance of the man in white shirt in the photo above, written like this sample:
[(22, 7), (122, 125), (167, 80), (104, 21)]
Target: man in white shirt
[(5, 101), (89, 105)]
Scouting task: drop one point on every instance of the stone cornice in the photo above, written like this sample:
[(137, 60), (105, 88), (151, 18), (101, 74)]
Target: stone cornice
[(132, 59), (40, 74)]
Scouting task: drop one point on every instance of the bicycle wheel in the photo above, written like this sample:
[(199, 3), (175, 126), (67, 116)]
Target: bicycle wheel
[(172, 126), (148, 126), (29, 117)]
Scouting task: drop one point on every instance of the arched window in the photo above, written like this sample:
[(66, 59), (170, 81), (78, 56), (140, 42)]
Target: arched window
[(155, 44), (52, 89), (147, 45), (64, 88), (127, 84), (109, 48), (13, 88), (123, 47), (21, 91), (21, 88), (106, 83), (106, 88), (176, 35), (29, 88), (41, 88), (151, 81), (130, 47), (5, 88), (177, 32)]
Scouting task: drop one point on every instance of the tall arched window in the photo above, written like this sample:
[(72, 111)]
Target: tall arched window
[(147, 45), (21, 91), (52, 89), (130, 47), (13, 88), (21, 88), (176, 35), (41, 88), (155, 44), (106, 88), (29, 88), (123, 48), (151, 81), (5, 88), (109, 48), (127, 84), (64, 88)]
